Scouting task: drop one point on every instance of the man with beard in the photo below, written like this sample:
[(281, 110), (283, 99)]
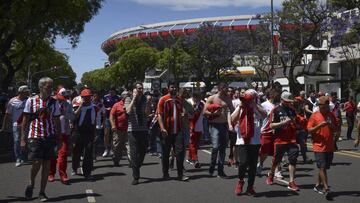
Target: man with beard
[(170, 109)]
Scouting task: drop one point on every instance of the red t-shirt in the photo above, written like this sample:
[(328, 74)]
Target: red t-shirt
[(323, 140), (170, 108), (350, 108), (119, 113)]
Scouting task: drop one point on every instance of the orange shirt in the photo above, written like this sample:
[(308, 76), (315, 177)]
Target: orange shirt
[(323, 140)]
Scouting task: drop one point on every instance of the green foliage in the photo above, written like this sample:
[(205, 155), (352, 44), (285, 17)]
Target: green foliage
[(345, 4), (24, 25), (129, 62)]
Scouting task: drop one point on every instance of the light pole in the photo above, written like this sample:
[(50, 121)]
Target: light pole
[(272, 39)]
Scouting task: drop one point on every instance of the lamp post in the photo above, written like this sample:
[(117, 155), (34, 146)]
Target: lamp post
[(272, 40)]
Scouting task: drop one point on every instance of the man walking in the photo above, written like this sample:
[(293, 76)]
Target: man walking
[(350, 110), (282, 120), (85, 125), (14, 112), (218, 108), (137, 109), (42, 112), (322, 126), (170, 108)]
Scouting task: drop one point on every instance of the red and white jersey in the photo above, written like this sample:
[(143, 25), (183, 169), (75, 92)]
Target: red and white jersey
[(43, 124)]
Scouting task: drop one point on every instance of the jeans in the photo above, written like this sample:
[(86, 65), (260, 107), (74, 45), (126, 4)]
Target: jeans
[(84, 142), (154, 143), (138, 141), (301, 138), (248, 157), (350, 122), (175, 141), (17, 148), (219, 139)]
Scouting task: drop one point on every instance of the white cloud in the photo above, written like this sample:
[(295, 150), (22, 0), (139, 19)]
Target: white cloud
[(203, 4)]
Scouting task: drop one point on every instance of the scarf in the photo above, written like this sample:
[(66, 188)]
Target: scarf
[(246, 123)]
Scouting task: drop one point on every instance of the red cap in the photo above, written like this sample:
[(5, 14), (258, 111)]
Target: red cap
[(86, 93), (61, 93)]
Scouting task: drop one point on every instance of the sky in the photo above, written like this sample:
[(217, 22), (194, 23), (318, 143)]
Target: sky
[(116, 15)]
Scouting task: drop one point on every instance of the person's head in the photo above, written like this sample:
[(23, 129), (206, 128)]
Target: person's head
[(196, 96), (236, 94), (250, 96), (45, 86), (96, 96), (149, 98), (62, 94), (172, 88), (333, 96), (222, 88), (139, 88), (86, 96), (302, 94), (287, 99), (183, 93), (231, 92), (351, 98), (323, 104), (112, 91), (23, 92)]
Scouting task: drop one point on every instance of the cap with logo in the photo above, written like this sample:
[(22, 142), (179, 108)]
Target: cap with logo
[(23, 89), (287, 96)]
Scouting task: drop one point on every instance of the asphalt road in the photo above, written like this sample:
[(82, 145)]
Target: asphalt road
[(113, 184)]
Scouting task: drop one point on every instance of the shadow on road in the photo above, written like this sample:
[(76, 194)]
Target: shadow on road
[(96, 177), (345, 193), (341, 164), (277, 193)]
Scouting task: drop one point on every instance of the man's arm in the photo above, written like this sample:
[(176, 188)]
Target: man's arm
[(317, 127), (307, 109), (24, 125), (235, 115), (112, 118)]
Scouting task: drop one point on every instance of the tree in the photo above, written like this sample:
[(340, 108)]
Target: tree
[(26, 24), (46, 61), (300, 24), (176, 61), (210, 50), (346, 39)]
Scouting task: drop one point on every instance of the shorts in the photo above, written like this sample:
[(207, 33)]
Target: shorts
[(107, 123), (324, 159), (42, 149), (292, 151), (267, 145)]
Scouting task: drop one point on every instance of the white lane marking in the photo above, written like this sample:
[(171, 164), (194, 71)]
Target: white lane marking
[(206, 151), (90, 196)]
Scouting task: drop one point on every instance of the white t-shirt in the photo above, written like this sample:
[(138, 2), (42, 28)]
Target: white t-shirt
[(236, 103), (15, 108), (199, 126), (67, 115), (267, 106)]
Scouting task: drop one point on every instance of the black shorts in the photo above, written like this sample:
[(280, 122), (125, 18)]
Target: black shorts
[(42, 149), (324, 159), (292, 151)]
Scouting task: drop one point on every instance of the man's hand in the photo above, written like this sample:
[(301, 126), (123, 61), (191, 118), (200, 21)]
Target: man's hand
[(324, 123), (113, 128), (164, 133), (231, 128)]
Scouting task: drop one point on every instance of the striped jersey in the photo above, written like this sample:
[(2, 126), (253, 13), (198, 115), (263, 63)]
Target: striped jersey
[(42, 113)]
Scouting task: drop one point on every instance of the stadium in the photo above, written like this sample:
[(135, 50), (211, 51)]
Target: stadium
[(327, 79)]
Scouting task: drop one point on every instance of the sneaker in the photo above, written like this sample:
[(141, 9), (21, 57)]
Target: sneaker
[(250, 191), (258, 170), (189, 161), (211, 171), (29, 192), (153, 154), (43, 197), (166, 176), (51, 178), (292, 186), (74, 172), (270, 179), (18, 163), (327, 194), (222, 175), (239, 187), (183, 178), (106, 153), (65, 181), (278, 175), (135, 182), (318, 190), (197, 164)]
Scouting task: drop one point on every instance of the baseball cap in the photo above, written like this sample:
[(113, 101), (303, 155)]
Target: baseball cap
[(62, 93), (85, 93), (23, 88), (287, 96)]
